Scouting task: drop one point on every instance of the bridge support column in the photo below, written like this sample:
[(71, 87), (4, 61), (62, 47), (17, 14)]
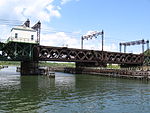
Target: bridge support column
[(29, 68)]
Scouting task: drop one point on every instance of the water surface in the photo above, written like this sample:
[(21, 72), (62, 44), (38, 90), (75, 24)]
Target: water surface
[(70, 93)]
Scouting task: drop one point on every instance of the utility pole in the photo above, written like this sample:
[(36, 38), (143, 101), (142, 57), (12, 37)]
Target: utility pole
[(147, 44), (120, 47), (93, 34), (102, 33), (82, 42), (124, 48), (143, 42)]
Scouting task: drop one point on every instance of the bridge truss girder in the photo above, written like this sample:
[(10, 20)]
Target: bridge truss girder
[(47, 53), (17, 51)]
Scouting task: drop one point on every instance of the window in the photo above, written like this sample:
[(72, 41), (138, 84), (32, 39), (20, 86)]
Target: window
[(16, 35), (32, 37)]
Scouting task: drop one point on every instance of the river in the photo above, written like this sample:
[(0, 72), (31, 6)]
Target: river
[(70, 93)]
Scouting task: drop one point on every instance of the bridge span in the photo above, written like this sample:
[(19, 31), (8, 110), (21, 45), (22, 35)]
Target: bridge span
[(49, 53)]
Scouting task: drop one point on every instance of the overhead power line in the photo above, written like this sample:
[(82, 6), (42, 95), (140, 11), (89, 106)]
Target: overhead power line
[(8, 20)]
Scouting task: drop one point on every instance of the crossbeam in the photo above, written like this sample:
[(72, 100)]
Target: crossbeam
[(90, 36), (125, 44)]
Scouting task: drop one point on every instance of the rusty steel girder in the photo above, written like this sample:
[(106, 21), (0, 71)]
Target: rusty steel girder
[(123, 58), (48, 53)]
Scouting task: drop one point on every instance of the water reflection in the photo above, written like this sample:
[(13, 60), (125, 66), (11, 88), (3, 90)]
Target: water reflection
[(71, 93), (7, 81)]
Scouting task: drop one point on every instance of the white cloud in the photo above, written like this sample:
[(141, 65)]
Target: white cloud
[(42, 10), (66, 1), (53, 11), (59, 39), (5, 33), (111, 47), (96, 44), (45, 10)]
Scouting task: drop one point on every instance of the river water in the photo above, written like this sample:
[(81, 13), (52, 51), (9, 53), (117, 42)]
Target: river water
[(70, 93)]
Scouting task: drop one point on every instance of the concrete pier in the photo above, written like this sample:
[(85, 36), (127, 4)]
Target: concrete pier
[(29, 68)]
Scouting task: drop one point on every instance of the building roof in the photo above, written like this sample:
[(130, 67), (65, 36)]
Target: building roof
[(24, 28)]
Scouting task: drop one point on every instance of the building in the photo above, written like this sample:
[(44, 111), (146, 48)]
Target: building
[(23, 34)]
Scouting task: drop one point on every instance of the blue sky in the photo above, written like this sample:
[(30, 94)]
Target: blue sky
[(65, 21)]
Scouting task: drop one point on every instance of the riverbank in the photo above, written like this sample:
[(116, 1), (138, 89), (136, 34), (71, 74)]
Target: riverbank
[(57, 64), (9, 63), (48, 64), (110, 71), (120, 73)]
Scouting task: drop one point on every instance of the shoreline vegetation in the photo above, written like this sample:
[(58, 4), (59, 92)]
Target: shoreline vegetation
[(56, 64), (147, 52), (52, 64), (49, 64), (9, 63)]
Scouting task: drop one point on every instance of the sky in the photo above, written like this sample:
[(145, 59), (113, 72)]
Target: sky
[(65, 21)]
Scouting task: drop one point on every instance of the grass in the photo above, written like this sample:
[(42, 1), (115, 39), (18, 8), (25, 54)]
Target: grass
[(147, 52), (50, 64), (13, 63), (113, 66)]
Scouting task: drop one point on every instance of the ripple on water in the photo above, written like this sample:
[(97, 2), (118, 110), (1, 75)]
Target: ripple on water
[(69, 93)]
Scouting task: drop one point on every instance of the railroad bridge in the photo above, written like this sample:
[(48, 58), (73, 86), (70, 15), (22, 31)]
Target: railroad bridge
[(29, 54)]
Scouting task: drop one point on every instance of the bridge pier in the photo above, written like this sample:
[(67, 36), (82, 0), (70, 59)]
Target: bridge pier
[(29, 68)]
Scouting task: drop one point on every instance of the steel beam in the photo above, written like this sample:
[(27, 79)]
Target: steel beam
[(46, 53), (135, 43)]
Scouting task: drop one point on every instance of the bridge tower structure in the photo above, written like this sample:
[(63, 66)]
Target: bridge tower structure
[(19, 47)]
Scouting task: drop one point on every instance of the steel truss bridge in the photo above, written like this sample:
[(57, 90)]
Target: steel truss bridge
[(18, 51)]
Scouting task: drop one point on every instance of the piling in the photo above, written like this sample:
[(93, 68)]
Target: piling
[(29, 68)]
